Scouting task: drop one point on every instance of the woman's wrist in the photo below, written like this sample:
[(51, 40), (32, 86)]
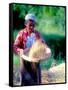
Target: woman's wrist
[(20, 52)]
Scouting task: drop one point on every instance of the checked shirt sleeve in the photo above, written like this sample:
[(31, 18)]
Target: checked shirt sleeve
[(18, 43)]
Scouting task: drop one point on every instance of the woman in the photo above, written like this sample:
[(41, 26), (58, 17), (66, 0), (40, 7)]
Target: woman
[(30, 71)]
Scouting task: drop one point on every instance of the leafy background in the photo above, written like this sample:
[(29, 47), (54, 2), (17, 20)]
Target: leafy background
[(51, 25)]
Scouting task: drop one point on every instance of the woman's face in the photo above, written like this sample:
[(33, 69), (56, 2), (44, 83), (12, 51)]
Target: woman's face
[(30, 25)]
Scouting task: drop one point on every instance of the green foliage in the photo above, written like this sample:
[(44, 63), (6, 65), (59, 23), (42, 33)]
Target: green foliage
[(46, 64), (15, 33), (48, 17), (16, 60)]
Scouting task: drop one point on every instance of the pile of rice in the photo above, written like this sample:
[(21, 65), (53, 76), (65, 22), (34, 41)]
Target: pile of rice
[(55, 74)]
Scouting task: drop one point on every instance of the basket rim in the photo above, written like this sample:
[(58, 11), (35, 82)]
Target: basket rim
[(26, 58)]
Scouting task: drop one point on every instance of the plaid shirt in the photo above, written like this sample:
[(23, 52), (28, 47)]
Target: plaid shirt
[(20, 42)]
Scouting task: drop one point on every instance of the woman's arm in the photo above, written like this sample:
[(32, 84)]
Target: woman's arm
[(17, 44)]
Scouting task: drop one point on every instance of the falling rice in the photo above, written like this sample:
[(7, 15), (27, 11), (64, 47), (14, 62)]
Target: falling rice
[(38, 50)]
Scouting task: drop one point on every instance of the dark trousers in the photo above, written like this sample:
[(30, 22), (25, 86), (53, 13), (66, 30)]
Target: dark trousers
[(30, 73)]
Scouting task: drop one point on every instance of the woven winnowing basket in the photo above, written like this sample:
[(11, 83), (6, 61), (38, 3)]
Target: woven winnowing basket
[(38, 50)]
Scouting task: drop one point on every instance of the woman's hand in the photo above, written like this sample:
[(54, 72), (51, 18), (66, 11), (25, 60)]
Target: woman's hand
[(26, 50), (21, 52)]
